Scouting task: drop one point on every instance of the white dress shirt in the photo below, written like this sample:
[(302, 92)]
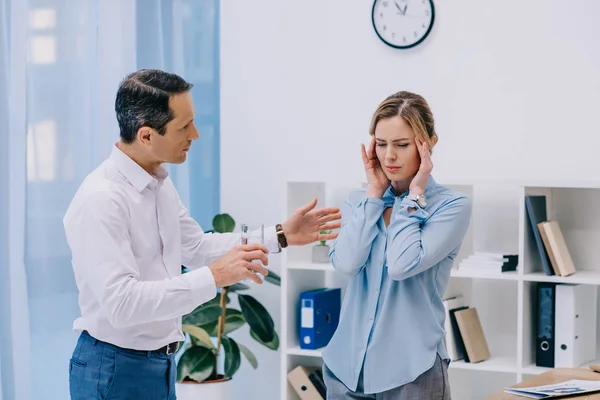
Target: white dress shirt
[(129, 234)]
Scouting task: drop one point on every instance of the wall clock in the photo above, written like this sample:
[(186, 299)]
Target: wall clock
[(402, 24)]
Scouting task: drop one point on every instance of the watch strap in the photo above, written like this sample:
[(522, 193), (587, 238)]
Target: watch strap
[(281, 239)]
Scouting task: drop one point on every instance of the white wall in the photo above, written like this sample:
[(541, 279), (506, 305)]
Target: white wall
[(514, 86)]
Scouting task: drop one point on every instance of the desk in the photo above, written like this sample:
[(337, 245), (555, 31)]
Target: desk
[(556, 375)]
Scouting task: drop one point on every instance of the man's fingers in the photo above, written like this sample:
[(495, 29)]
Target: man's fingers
[(256, 255), (330, 226), (322, 212), (254, 246), (257, 268), (253, 277), (307, 207), (330, 217), (329, 236)]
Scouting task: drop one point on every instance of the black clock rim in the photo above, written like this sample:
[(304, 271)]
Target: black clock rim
[(418, 42)]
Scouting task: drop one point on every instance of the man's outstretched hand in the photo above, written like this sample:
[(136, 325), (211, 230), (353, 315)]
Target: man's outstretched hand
[(306, 223)]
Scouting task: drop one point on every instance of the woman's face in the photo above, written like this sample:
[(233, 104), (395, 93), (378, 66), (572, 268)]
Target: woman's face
[(396, 149)]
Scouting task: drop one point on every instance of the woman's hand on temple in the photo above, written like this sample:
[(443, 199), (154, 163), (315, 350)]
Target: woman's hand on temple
[(378, 182)]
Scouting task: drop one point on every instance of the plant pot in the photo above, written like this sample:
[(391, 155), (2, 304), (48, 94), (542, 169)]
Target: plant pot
[(320, 254), (216, 389)]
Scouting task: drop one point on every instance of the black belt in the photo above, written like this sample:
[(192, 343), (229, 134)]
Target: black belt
[(167, 349)]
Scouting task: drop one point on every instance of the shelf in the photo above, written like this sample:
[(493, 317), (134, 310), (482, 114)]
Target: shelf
[(297, 351), (533, 369), (457, 273), (584, 277), (310, 266), (494, 364)]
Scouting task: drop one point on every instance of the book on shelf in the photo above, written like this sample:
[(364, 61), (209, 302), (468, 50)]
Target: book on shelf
[(472, 335), (556, 247), (536, 211), (454, 347), (464, 338), (307, 382), (489, 262), (570, 387)]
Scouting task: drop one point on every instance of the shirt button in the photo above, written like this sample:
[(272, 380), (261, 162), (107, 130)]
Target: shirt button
[(370, 320), (377, 291), (380, 262)]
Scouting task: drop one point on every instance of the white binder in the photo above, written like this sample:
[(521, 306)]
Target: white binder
[(575, 325), (450, 338)]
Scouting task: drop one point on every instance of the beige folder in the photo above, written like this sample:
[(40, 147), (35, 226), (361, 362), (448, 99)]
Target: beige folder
[(298, 378), (555, 245), (472, 335)]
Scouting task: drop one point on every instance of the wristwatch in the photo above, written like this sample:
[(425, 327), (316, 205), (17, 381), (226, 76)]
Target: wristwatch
[(420, 199), (281, 239)]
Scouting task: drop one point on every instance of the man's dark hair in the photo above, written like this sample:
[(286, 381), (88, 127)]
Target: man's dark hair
[(143, 100)]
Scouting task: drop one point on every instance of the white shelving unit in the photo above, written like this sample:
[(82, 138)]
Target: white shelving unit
[(505, 301)]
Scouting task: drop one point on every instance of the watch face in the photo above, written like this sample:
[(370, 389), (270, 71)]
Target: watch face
[(403, 24)]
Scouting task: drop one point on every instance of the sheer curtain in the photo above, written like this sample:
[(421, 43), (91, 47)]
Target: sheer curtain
[(60, 64), (182, 36), (14, 324), (78, 53)]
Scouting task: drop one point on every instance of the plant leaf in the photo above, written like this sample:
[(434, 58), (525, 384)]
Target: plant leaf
[(203, 315), (258, 317), (273, 278), (197, 363), (199, 334), (233, 320), (273, 344), (249, 355), (223, 223), (238, 286), (233, 359)]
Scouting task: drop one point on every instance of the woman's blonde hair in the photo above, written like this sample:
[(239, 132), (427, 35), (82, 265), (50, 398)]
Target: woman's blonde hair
[(415, 111)]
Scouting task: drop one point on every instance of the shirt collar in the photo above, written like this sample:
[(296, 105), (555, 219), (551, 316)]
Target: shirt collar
[(136, 175), (390, 194)]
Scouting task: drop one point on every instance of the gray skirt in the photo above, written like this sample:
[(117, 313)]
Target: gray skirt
[(430, 385)]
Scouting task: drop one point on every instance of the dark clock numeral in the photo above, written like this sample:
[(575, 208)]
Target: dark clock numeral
[(424, 26), (404, 39), (384, 27), (415, 33), (424, 1), (393, 35), (385, 3), (427, 13), (381, 15)]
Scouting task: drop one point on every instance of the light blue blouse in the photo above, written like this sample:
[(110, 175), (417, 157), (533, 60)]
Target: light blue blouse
[(392, 318)]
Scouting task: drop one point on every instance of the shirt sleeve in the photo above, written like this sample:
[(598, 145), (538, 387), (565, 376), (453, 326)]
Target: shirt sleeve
[(351, 249), (418, 241), (199, 248), (101, 248)]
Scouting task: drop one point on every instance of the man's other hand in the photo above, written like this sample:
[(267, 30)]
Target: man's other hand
[(237, 265), (305, 225)]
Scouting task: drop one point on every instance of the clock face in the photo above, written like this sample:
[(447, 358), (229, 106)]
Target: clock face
[(403, 24)]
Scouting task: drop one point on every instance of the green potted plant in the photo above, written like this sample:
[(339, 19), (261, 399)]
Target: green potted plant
[(320, 251), (207, 328)]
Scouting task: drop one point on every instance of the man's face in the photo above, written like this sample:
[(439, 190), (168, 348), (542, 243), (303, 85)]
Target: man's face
[(173, 146)]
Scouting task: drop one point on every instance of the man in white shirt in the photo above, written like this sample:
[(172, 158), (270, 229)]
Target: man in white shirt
[(130, 234)]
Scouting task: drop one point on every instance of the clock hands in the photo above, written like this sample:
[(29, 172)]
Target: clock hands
[(401, 11)]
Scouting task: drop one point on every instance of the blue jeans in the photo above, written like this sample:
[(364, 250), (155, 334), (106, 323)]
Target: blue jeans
[(102, 371)]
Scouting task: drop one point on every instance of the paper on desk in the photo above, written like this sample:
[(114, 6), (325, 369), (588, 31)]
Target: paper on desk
[(573, 386)]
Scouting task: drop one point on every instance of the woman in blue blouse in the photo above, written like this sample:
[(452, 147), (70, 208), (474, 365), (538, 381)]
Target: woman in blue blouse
[(398, 240)]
